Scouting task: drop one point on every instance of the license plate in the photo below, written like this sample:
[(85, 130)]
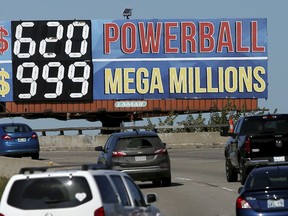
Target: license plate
[(275, 203), (21, 139), (140, 158), (279, 159)]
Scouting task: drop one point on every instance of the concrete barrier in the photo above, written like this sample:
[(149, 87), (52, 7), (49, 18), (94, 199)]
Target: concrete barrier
[(88, 143)]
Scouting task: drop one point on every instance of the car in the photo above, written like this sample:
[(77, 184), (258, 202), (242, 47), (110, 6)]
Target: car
[(141, 154), (257, 140), (264, 193), (68, 190), (18, 140)]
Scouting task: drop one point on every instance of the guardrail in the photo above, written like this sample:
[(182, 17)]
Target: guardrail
[(124, 128)]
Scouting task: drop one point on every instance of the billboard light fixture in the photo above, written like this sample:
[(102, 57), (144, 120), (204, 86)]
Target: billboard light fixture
[(127, 13)]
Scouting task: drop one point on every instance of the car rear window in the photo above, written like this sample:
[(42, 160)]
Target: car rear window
[(16, 128), (268, 179), (49, 193), (134, 143), (265, 125)]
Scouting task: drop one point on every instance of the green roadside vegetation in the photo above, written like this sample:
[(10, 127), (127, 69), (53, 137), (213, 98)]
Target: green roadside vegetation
[(203, 122)]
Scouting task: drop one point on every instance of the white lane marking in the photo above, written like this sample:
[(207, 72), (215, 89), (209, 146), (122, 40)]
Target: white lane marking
[(184, 179), (205, 183), (228, 189)]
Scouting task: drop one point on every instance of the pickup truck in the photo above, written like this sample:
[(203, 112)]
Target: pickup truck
[(258, 140)]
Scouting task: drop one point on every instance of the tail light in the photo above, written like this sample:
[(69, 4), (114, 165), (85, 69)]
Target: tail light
[(1, 214), (161, 151), (118, 154), (247, 145), (6, 137), (98, 212), (242, 203), (34, 135)]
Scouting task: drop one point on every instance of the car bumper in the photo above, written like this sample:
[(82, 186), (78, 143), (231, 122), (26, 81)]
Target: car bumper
[(251, 212), (19, 152), (263, 162), (147, 174)]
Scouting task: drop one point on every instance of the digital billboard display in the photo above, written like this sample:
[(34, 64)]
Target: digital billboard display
[(86, 60)]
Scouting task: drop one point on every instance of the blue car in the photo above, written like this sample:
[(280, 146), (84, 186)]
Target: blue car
[(18, 140), (265, 192)]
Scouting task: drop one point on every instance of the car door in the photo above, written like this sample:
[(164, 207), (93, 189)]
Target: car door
[(111, 203), (131, 197), (139, 203)]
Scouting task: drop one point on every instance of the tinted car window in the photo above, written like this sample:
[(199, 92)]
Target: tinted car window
[(266, 125), (132, 143), (108, 143), (135, 193), (43, 193), (16, 128), (107, 193), (237, 126), (121, 190), (268, 179)]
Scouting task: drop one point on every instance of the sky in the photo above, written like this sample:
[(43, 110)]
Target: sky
[(274, 11)]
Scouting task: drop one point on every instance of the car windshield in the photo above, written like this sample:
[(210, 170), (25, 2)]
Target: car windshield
[(134, 143), (269, 179), (45, 193)]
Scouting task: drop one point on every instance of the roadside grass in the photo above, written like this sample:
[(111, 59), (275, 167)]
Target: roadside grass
[(3, 182)]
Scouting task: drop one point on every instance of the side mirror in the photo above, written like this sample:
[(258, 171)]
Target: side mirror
[(151, 198), (224, 131), (99, 148)]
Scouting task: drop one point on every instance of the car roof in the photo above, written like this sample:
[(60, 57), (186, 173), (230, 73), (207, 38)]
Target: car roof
[(67, 172), (266, 115), (134, 133), (11, 124), (276, 168)]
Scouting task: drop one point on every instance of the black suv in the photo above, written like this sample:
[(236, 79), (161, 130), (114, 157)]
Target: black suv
[(141, 154), (257, 140)]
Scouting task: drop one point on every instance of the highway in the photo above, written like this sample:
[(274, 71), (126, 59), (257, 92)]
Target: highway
[(199, 185)]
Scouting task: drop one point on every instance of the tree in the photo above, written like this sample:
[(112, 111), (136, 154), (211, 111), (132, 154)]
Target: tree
[(197, 124)]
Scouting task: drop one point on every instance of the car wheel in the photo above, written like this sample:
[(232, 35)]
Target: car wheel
[(35, 156), (166, 182), (243, 173), (231, 174)]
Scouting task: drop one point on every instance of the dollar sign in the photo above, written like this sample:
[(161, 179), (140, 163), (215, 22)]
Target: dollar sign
[(4, 86), (3, 41)]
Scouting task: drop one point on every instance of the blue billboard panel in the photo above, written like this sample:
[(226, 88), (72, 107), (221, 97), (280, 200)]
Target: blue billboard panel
[(85, 60), (187, 58)]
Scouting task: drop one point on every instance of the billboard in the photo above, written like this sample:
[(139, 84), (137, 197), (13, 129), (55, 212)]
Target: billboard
[(87, 60)]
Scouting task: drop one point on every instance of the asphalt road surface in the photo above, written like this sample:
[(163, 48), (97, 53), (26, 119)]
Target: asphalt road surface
[(199, 185)]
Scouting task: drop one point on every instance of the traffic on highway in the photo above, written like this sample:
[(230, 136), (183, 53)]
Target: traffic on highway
[(198, 182), (193, 180)]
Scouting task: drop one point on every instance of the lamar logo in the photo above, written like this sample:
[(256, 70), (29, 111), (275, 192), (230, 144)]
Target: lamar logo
[(278, 143)]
